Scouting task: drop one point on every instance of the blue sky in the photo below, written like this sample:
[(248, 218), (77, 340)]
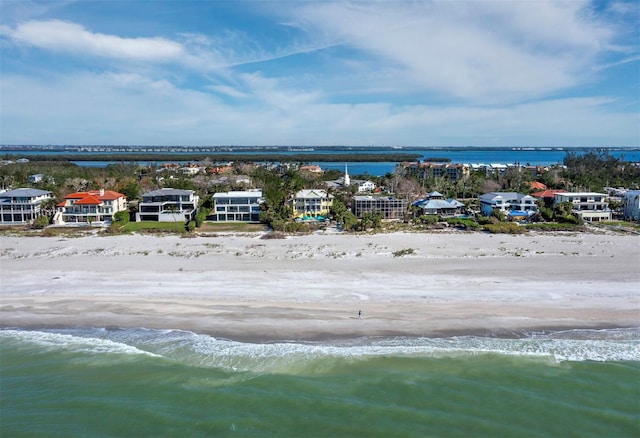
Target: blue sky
[(428, 73)]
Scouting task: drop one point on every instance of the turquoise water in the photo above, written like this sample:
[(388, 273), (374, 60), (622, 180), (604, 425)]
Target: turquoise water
[(140, 382)]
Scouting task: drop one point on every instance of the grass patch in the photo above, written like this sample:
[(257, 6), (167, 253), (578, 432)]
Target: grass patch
[(212, 227), (504, 228), (67, 231), (150, 226), (554, 226), (621, 224)]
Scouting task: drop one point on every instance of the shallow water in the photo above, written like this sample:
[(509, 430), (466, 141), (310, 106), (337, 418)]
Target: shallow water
[(140, 382)]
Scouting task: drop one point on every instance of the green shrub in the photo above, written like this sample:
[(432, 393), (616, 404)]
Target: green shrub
[(40, 222), (427, 219), (504, 228), (201, 216), (568, 219), (546, 213), (467, 224), (498, 214), (122, 217), (403, 252)]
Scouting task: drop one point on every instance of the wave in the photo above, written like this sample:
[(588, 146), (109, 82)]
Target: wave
[(84, 344), (294, 357)]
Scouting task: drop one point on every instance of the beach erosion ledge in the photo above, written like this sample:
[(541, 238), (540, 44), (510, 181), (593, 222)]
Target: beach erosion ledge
[(324, 286)]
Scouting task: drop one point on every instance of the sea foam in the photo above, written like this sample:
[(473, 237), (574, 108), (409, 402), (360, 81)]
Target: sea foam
[(293, 357), (70, 342)]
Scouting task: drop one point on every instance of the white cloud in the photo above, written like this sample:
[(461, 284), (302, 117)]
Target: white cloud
[(489, 51), (469, 72), (63, 36), (201, 53), (128, 108)]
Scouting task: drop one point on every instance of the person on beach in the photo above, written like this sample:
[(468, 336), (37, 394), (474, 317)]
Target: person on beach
[(359, 314)]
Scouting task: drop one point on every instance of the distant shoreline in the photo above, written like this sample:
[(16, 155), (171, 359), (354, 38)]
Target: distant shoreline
[(294, 148), (225, 156)]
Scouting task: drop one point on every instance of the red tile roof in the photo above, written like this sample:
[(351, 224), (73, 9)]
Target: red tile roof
[(109, 195), (547, 193), (89, 200), (536, 185), (94, 196)]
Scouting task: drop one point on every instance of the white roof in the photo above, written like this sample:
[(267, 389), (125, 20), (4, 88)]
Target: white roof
[(239, 194), (312, 193), (581, 194)]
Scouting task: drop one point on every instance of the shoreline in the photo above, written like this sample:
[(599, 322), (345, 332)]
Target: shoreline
[(310, 288)]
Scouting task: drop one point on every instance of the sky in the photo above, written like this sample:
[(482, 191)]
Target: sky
[(279, 72)]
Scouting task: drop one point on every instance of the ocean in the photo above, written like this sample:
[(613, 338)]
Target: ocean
[(141, 382)]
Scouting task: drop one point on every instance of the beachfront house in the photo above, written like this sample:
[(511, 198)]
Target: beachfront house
[(311, 204), (388, 206), (512, 204), (21, 206), (547, 196), (168, 205), (588, 206), (434, 203), (236, 206), (95, 207), (631, 205)]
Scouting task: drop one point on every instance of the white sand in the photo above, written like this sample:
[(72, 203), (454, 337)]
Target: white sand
[(312, 287)]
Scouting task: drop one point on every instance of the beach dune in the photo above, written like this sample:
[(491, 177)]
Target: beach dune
[(312, 287)]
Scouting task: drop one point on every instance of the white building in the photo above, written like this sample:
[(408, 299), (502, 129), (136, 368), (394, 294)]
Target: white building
[(237, 206), (631, 205), (510, 203), (21, 206), (588, 206), (168, 205), (95, 207), (363, 186), (35, 178)]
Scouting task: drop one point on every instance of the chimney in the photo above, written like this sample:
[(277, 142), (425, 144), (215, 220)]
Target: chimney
[(101, 192)]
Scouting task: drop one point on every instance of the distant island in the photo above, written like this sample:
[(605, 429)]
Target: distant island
[(287, 149)]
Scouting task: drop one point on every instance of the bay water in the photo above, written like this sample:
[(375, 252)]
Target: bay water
[(141, 382), (479, 155)]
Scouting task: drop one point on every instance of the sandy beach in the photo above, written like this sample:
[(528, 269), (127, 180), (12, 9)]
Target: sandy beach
[(312, 287)]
